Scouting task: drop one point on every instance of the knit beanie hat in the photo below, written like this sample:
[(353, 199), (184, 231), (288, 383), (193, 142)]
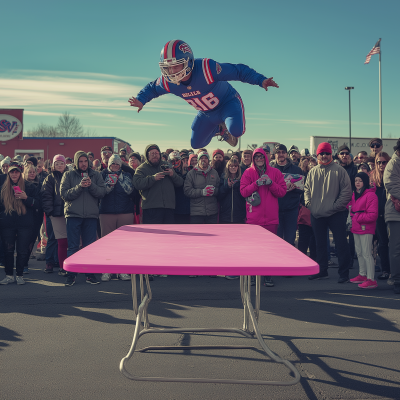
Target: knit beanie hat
[(33, 160), (135, 154), (190, 158), (305, 152), (218, 151), (59, 157), (115, 159), (324, 147), (343, 147), (203, 153), (294, 148)]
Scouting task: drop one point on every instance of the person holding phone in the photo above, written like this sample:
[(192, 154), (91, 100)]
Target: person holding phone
[(116, 207), (18, 201), (81, 189)]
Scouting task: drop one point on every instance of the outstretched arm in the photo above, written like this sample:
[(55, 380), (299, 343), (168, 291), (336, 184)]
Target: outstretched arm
[(149, 92)]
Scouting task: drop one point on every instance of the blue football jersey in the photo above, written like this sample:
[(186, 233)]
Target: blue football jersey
[(208, 87)]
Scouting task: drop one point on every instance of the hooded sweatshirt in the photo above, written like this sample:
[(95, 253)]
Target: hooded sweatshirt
[(267, 213), (155, 194), (81, 202)]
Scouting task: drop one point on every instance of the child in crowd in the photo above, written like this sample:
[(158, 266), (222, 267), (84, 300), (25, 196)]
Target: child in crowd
[(364, 213)]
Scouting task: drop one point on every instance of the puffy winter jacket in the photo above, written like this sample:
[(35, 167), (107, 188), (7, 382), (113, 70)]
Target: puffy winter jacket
[(291, 199), (81, 202), (195, 182), (364, 212), (116, 199), (155, 194), (52, 203), (267, 213), (232, 203), (32, 203), (182, 202)]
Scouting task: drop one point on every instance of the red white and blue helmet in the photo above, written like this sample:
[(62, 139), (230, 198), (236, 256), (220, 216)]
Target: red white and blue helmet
[(176, 52)]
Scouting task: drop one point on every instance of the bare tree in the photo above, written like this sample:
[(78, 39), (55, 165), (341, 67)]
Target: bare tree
[(42, 130), (69, 126)]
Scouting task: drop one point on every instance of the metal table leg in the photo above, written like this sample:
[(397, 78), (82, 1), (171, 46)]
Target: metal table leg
[(250, 314)]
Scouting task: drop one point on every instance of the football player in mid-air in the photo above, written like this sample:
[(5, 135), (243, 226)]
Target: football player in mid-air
[(202, 82)]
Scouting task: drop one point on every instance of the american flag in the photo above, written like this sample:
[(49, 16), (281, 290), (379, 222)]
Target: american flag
[(375, 50)]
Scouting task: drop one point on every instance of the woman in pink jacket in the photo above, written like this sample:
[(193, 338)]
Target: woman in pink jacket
[(364, 213), (268, 182)]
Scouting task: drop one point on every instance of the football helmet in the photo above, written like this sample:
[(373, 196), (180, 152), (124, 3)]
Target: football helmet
[(175, 53)]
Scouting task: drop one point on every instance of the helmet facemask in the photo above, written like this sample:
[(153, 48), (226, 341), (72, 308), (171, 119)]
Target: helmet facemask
[(178, 76)]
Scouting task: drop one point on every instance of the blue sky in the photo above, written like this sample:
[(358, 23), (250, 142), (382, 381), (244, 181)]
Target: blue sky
[(88, 58)]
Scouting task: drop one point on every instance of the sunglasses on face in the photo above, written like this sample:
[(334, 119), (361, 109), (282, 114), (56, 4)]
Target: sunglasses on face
[(374, 145), (382, 162), (324, 154), (344, 153), (106, 152), (260, 157)]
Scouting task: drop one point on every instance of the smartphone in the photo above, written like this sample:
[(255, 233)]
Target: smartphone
[(17, 189), (113, 178), (85, 175)]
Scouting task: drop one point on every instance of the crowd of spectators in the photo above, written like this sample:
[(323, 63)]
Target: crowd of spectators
[(290, 193)]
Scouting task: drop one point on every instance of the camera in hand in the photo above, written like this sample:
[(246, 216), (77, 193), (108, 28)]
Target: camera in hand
[(166, 166)]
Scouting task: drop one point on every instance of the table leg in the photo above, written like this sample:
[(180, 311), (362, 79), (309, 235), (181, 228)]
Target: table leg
[(249, 314)]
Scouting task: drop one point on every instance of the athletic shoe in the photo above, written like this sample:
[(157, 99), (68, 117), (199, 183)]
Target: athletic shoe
[(320, 275), (224, 135), (8, 279), (390, 281), (232, 277), (92, 280), (397, 288), (20, 280), (358, 279), (62, 272), (124, 277), (384, 276), (70, 280), (268, 282), (32, 257), (343, 280), (26, 270), (331, 263), (368, 284), (48, 269), (105, 277)]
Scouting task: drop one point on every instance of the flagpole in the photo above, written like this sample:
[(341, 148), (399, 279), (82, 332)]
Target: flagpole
[(380, 89)]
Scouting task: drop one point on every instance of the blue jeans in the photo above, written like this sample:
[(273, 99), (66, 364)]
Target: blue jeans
[(77, 228), (337, 224), (52, 246), (288, 225)]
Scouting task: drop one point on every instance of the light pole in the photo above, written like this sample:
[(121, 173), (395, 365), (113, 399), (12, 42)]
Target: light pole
[(349, 88)]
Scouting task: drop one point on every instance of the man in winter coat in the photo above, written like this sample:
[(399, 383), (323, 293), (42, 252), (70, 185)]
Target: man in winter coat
[(326, 194), (268, 182), (201, 186), (81, 189), (156, 181), (347, 163), (247, 156), (288, 204), (391, 179)]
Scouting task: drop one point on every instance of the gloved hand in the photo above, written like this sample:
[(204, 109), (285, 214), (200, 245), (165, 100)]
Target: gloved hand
[(208, 190), (267, 179)]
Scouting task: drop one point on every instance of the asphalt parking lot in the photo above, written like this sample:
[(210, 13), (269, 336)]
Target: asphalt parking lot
[(60, 342)]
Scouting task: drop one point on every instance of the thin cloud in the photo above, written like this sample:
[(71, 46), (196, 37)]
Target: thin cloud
[(39, 113)]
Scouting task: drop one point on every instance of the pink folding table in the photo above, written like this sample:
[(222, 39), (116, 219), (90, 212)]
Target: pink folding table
[(245, 250)]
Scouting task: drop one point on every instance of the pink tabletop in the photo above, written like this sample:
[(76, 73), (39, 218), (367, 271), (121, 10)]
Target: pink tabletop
[(191, 250)]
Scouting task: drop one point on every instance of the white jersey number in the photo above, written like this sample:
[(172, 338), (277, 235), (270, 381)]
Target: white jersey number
[(206, 103)]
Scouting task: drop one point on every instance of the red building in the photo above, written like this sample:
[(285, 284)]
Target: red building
[(12, 141)]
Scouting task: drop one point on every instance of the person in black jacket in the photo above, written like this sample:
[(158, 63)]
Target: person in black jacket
[(116, 207), (30, 175), (53, 206), (182, 203), (232, 203), (289, 204), (18, 200)]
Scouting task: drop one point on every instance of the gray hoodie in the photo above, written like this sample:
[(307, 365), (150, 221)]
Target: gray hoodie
[(391, 179)]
